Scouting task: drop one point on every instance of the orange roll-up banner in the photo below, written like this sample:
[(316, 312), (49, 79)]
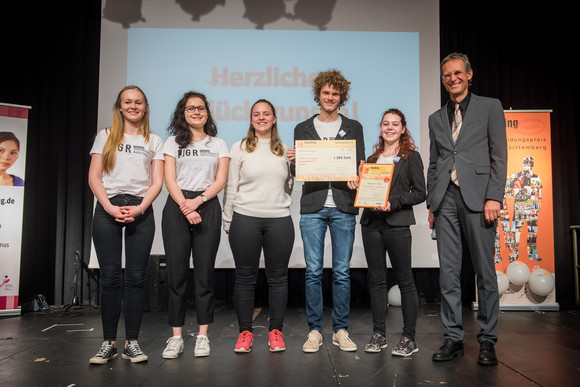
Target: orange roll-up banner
[(524, 257)]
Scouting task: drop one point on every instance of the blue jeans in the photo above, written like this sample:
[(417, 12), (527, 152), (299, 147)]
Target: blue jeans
[(313, 229)]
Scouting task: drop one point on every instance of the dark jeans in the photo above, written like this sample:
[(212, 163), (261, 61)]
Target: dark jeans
[(183, 240), (378, 239), (108, 242), (248, 236)]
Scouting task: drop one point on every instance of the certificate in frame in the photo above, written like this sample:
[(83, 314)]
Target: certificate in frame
[(374, 185)]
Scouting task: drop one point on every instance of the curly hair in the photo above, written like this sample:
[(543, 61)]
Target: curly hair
[(179, 127), (333, 78), (406, 142), (251, 141)]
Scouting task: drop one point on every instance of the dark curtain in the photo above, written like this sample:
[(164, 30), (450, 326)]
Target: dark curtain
[(50, 61), (519, 54)]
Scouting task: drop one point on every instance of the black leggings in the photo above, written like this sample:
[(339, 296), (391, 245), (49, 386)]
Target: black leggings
[(183, 240), (248, 236), (379, 238), (108, 242)]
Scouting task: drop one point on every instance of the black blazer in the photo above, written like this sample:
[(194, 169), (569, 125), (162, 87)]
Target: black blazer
[(314, 193), (407, 189)]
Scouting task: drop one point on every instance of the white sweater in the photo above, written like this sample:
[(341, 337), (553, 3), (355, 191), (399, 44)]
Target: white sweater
[(259, 183)]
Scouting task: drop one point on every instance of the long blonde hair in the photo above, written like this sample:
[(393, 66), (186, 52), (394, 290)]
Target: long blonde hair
[(117, 130), (251, 141)]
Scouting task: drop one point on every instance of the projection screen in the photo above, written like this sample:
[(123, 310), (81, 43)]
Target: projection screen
[(236, 52)]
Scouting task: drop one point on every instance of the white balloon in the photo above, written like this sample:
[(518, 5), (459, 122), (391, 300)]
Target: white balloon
[(394, 296), (503, 283), (518, 273), (541, 282)]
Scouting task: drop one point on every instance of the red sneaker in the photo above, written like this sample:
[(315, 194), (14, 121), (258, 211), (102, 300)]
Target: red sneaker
[(276, 341), (245, 341)]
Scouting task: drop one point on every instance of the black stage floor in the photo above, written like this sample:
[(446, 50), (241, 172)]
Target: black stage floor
[(53, 349)]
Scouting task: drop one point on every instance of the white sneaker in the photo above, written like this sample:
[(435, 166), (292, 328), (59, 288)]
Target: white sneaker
[(174, 347), (201, 346)]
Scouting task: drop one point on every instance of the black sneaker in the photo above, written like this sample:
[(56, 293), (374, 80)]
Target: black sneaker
[(107, 352), (377, 343), (133, 352), (406, 347)]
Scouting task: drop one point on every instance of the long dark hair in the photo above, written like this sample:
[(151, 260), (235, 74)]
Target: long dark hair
[(179, 127)]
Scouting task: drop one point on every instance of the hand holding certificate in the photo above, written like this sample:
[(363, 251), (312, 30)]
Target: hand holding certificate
[(374, 185), (326, 160)]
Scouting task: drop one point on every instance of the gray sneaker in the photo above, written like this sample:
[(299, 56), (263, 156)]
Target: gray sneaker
[(134, 353), (406, 347), (174, 347), (201, 346), (106, 353), (377, 343)]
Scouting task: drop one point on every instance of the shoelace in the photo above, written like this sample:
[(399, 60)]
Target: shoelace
[(375, 339), (277, 336), (105, 348), (202, 342), (134, 348), (173, 343), (244, 338)]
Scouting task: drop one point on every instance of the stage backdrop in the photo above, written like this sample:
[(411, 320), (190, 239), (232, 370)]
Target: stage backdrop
[(238, 52), (525, 239), (13, 120)]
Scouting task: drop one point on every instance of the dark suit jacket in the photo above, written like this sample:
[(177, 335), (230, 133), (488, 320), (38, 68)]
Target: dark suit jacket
[(479, 155), (407, 189), (314, 193)]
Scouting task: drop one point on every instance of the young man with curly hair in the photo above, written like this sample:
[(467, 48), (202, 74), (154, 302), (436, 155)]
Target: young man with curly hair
[(329, 205)]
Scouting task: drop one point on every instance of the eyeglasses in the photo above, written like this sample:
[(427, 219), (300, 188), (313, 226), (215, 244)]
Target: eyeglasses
[(192, 109), (456, 74)]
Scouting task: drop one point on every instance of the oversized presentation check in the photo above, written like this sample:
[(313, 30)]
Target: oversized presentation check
[(374, 185), (326, 160)]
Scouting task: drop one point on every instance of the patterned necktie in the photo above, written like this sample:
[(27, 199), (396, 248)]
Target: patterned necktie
[(457, 121)]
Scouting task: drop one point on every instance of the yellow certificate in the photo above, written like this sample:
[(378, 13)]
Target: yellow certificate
[(326, 160), (374, 185)]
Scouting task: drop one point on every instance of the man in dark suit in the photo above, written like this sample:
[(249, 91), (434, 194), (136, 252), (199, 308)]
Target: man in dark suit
[(465, 188)]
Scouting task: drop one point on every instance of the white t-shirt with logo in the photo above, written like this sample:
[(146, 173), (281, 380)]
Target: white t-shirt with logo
[(196, 165), (131, 174), (328, 131)]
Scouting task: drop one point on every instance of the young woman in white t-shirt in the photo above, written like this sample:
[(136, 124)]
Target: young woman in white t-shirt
[(196, 168), (125, 175), (257, 218)]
